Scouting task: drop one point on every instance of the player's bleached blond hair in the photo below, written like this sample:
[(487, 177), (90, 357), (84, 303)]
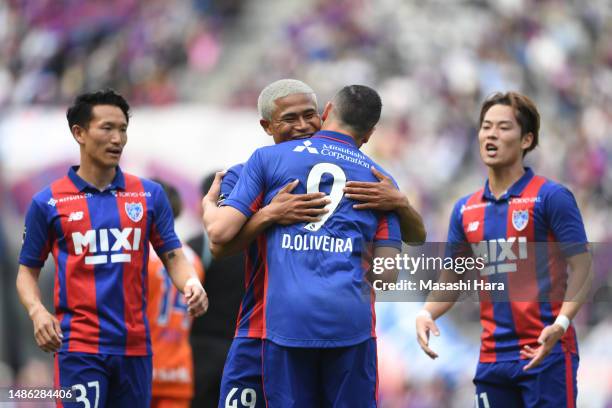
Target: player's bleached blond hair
[(280, 89)]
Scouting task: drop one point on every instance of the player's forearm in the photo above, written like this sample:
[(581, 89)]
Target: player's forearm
[(178, 267), (212, 221), (411, 223), (381, 272), (437, 309), (578, 285), (217, 229), (221, 223), (28, 289), (254, 227), (441, 301)]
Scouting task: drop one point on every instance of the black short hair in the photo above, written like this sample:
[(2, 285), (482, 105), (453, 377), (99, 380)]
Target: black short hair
[(80, 111), (358, 107), (173, 196)]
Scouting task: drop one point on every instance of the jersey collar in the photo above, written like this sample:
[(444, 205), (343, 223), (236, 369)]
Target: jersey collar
[(516, 190), (337, 137), (117, 183)]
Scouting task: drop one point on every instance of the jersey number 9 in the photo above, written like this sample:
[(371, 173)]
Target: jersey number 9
[(313, 184)]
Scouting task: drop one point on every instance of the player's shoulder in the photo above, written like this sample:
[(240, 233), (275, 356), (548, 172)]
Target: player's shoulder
[(378, 167), (552, 194), (235, 170), (232, 175), (48, 194), (43, 196), (148, 185), (550, 187), (467, 201)]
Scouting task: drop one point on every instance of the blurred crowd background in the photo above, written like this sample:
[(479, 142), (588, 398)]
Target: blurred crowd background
[(433, 63)]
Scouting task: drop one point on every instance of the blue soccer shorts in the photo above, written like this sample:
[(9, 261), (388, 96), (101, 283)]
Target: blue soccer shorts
[(552, 384), (313, 377), (241, 384), (104, 380)]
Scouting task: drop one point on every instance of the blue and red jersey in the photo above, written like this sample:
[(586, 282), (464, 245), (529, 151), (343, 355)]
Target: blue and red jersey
[(306, 284), (99, 241), (249, 322), (525, 237)]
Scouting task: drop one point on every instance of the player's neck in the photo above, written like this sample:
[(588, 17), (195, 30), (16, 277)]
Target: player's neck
[(99, 177), (333, 126), (502, 178)]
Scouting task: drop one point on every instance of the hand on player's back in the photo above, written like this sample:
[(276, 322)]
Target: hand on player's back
[(286, 208), (47, 330), (375, 195)]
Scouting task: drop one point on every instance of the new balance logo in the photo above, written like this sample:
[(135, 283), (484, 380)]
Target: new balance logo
[(306, 147), (75, 216), (92, 239), (473, 226)]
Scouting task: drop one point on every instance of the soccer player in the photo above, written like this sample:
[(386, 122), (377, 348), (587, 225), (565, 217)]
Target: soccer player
[(527, 228), (173, 380), (97, 222), (288, 110), (316, 310)]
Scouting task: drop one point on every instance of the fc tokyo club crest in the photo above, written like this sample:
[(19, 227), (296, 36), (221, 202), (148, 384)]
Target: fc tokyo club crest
[(520, 218), (134, 211)]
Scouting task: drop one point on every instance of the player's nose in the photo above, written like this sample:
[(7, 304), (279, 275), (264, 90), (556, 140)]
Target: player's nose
[(302, 123), (491, 133), (117, 136)]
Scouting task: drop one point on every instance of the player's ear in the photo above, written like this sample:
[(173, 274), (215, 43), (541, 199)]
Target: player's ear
[(367, 136), (78, 134), (265, 124), (526, 141), (326, 110)]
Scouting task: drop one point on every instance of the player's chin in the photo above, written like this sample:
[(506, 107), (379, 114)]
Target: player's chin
[(492, 162), (301, 136), (112, 162)]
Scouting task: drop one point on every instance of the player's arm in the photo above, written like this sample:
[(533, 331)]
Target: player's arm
[(168, 247), (285, 208), (441, 301), (384, 272), (384, 196), (47, 330), (186, 280), (578, 286), (565, 221), (437, 304), (222, 223)]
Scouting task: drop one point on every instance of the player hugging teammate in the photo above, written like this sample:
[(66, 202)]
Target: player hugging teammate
[(307, 210)]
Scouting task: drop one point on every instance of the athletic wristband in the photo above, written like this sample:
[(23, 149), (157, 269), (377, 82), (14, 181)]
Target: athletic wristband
[(563, 321), (425, 313)]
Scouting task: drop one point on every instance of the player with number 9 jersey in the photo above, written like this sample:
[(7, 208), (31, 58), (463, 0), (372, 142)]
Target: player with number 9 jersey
[(317, 302), (305, 263)]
